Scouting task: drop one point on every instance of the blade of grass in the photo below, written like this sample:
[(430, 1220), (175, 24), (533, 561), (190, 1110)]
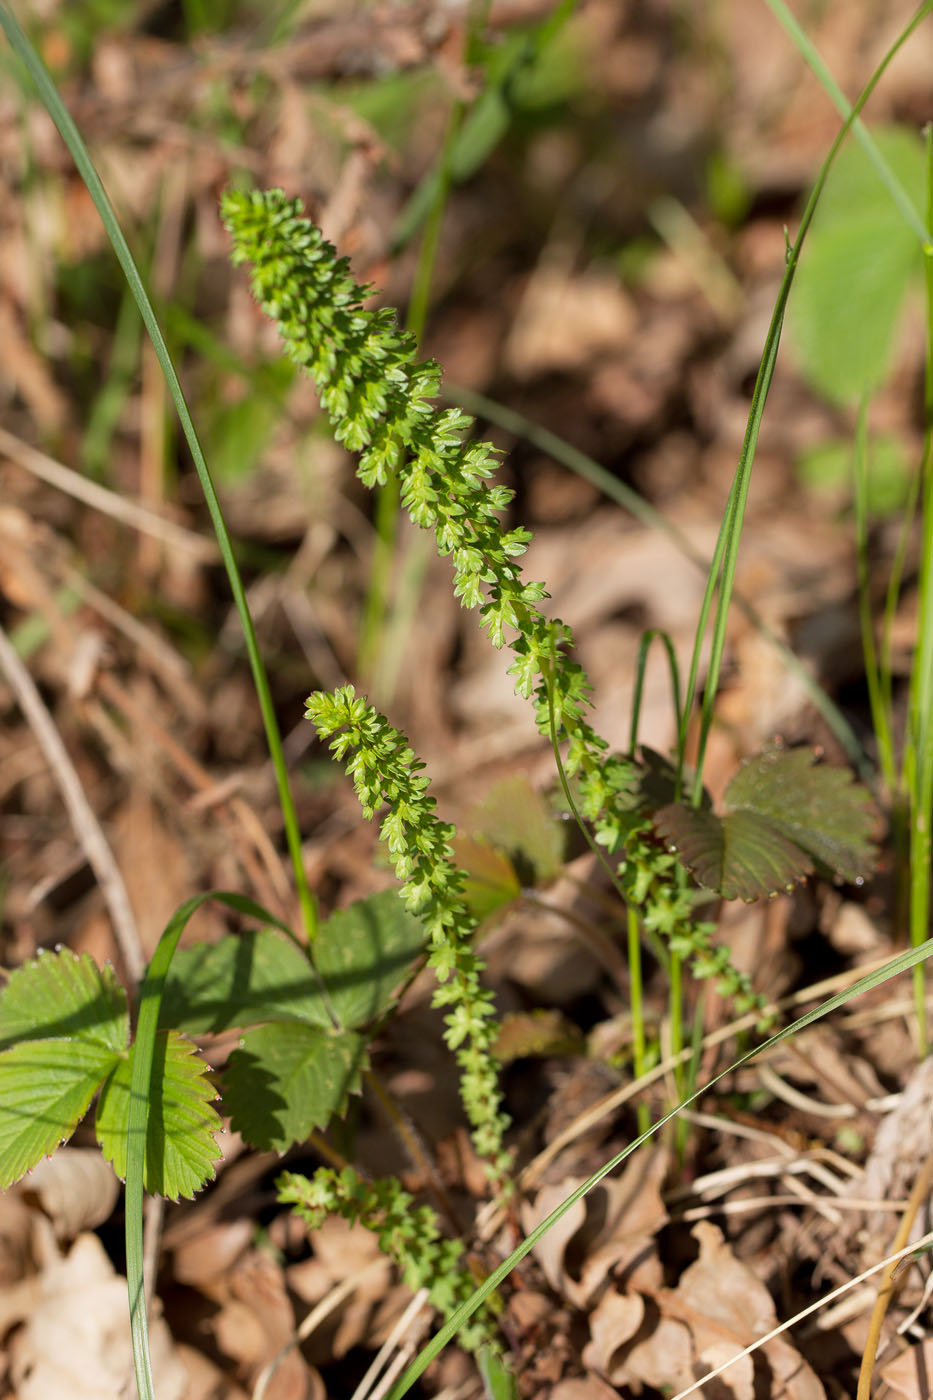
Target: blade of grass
[(81, 157), (738, 498), (879, 694), (150, 1002), (811, 57), (902, 963), (918, 749)]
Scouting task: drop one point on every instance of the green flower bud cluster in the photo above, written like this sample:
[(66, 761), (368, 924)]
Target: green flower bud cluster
[(386, 773), (407, 1234)]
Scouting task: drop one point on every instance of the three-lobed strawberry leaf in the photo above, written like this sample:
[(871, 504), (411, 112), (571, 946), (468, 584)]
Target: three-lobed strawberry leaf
[(786, 816), (295, 1068)]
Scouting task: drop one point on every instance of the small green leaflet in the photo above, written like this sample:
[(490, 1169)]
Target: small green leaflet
[(180, 1145), (785, 817), (287, 1079), (64, 996), (65, 1030), (362, 954)]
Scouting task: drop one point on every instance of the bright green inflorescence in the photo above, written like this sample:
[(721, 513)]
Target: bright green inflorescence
[(378, 396), (407, 1233), (385, 772)]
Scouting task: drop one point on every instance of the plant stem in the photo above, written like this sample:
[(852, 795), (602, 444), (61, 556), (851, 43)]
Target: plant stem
[(637, 1007)]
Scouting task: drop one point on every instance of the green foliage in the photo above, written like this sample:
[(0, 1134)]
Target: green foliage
[(408, 1234), (828, 467), (64, 1036), (784, 818), (180, 1146), (64, 1030), (861, 260), (360, 956), (287, 1079)]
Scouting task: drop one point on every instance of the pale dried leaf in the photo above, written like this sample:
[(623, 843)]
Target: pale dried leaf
[(611, 1229), (911, 1373), (613, 1323), (76, 1188), (588, 1387), (727, 1307), (76, 1342)]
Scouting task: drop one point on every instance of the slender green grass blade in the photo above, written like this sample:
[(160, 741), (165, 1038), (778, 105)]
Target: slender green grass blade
[(811, 57), (738, 498), (79, 154)]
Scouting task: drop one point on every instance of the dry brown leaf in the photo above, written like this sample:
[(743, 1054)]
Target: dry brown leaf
[(566, 318), (911, 1373), (726, 1308), (257, 1324), (76, 1341), (588, 1387), (611, 1230), (76, 1188), (212, 1252)]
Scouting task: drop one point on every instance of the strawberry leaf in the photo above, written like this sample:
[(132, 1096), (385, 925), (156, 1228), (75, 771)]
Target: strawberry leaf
[(287, 1079), (180, 1145), (64, 996), (46, 1086), (362, 953), (786, 816)]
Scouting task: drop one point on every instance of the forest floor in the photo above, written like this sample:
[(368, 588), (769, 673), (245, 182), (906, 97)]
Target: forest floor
[(606, 268)]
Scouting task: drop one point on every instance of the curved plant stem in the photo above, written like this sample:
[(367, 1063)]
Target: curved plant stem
[(918, 1197), (79, 153)]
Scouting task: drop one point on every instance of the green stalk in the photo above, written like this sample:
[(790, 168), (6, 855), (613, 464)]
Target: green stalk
[(738, 498), (79, 153), (879, 694), (637, 1006), (918, 755)]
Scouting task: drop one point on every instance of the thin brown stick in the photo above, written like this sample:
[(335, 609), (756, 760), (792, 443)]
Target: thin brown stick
[(86, 826), (107, 502)]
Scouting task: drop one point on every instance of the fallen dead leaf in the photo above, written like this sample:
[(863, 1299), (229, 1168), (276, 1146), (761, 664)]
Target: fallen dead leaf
[(612, 1230), (76, 1188), (76, 1341), (726, 1308), (911, 1373)]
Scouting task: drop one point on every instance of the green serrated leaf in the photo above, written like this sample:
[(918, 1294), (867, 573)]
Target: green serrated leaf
[(64, 995), (785, 815), (242, 980), (287, 1079), (741, 855), (180, 1145), (364, 952), (819, 807), (859, 262), (46, 1086)]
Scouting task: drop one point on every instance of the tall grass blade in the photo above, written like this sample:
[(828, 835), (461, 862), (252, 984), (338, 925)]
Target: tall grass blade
[(79, 153)]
